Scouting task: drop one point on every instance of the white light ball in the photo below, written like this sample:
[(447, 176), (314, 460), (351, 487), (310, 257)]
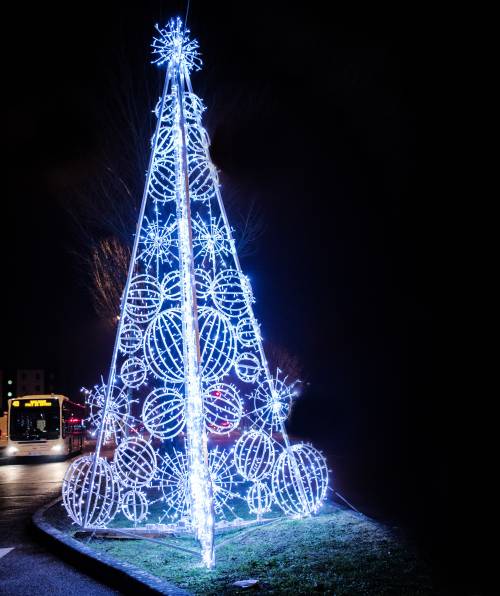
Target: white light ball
[(134, 462), (163, 343), (305, 467), (223, 408), (104, 494), (144, 299), (130, 338), (163, 413), (246, 334), (247, 367), (200, 171), (162, 182), (217, 344), (133, 372), (229, 293), (259, 498), (135, 506), (171, 286), (254, 455)]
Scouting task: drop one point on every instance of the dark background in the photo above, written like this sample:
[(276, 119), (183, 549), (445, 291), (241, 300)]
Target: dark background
[(311, 112)]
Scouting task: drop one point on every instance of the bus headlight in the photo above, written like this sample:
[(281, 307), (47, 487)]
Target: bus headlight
[(57, 448), (11, 450)]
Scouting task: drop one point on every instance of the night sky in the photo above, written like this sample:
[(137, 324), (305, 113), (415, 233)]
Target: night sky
[(313, 116)]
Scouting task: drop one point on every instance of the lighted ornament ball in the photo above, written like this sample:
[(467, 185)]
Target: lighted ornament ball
[(162, 181), (196, 139), (223, 408), (201, 173), (259, 498), (163, 413), (104, 493), (135, 506), (254, 455), (144, 299), (300, 480), (217, 344), (229, 293), (248, 368), (193, 109), (245, 333), (133, 372), (130, 338), (163, 346), (171, 286), (134, 462), (203, 283), (165, 142)]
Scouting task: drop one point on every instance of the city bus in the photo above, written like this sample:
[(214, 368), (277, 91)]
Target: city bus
[(44, 425)]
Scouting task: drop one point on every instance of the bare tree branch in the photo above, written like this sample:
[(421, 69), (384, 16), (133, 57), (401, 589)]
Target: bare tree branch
[(280, 358)]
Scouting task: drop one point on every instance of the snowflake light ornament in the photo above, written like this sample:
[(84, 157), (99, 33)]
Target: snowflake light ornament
[(157, 242), (210, 240), (174, 46)]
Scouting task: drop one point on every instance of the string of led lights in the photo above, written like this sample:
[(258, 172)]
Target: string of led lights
[(195, 414)]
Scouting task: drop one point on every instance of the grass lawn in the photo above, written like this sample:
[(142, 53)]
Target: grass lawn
[(336, 552)]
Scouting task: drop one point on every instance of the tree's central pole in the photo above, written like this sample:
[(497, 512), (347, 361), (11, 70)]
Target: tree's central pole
[(200, 486)]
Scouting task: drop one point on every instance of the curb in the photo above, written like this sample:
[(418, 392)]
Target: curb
[(117, 574)]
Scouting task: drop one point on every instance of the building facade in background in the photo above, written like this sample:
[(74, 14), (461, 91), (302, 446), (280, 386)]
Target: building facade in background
[(25, 381)]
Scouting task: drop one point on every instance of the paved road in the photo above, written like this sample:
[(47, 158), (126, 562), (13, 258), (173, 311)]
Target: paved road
[(30, 569)]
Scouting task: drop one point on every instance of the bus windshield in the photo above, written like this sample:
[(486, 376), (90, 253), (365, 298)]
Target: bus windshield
[(30, 420)]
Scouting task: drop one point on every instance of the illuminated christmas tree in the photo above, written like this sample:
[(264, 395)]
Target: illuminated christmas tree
[(188, 368)]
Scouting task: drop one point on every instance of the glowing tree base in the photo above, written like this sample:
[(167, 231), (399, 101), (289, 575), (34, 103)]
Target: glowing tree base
[(196, 416)]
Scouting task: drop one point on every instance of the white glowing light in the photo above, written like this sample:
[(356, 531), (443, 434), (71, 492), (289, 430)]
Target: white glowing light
[(229, 293), (103, 492), (174, 46), (117, 412), (144, 298), (130, 338), (188, 367), (259, 498), (157, 242), (210, 240), (163, 343), (223, 408), (163, 413), (134, 462), (254, 455), (135, 506), (246, 334), (217, 344), (310, 469), (133, 372), (247, 367), (174, 479), (273, 399)]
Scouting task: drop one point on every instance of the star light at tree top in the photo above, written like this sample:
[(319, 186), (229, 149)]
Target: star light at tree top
[(191, 406)]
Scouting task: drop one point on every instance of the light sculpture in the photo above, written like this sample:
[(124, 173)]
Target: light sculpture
[(188, 367)]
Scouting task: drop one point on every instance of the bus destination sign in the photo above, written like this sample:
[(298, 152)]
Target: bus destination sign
[(33, 403)]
